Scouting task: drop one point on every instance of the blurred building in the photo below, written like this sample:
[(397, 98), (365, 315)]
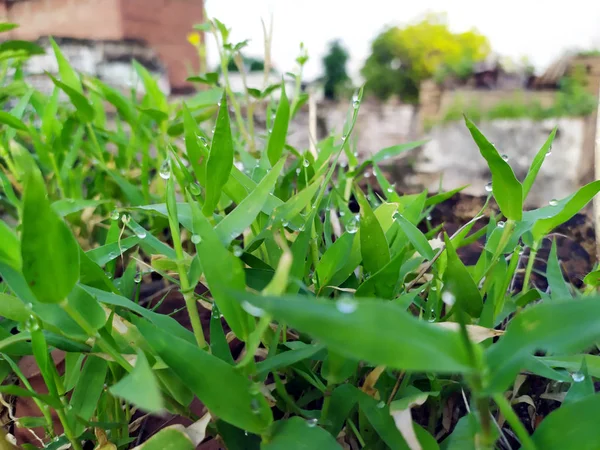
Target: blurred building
[(157, 29)]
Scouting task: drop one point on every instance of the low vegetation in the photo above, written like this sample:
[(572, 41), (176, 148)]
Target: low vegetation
[(355, 328)]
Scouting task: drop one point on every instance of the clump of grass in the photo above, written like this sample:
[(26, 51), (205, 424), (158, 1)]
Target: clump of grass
[(349, 321)]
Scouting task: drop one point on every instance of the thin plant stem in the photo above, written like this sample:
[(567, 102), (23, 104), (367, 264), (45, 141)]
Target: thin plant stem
[(514, 422), (529, 269)]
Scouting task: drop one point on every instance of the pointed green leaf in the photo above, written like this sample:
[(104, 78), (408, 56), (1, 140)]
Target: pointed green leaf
[(373, 244), (220, 159), (225, 391), (334, 258), (558, 287), (570, 426), (140, 387), (11, 121), (377, 331), (49, 251), (10, 250), (417, 239), (507, 190), (537, 162), (280, 127), (234, 223), (85, 111), (84, 400), (459, 285), (67, 74)]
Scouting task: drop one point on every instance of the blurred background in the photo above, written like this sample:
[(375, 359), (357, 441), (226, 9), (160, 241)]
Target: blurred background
[(519, 68)]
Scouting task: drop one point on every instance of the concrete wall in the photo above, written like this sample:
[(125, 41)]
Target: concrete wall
[(163, 24), (452, 155)]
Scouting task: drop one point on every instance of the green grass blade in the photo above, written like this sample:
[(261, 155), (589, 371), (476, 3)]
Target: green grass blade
[(220, 159), (373, 330), (507, 190), (536, 164), (225, 391), (373, 244), (279, 132)]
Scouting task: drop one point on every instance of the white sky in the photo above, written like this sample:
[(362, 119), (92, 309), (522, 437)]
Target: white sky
[(540, 30)]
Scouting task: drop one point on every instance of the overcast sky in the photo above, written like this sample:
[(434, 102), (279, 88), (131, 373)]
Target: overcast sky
[(538, 30)]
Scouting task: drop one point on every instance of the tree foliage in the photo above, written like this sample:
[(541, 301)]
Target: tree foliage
[(334, 64), (403, 57)]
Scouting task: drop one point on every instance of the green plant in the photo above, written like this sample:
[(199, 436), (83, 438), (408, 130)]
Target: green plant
[(350, 321), (402, 58), (334, 64), (572, 99)]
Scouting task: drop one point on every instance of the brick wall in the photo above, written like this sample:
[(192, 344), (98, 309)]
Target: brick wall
[(163, 24), (82, 19)]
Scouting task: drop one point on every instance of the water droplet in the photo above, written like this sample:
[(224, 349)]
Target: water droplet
[(125, 219), (343, 164), (448, 298), (355, 101), (165, 170), (549, 152), (298, 171), (109, 275), (252, 310), (237, 251), (203, 140), (194, 189), (270, 130), (501, 224), (138, 277), (301, 228), (432, 317), (553, 202), (245, 433), (312, 423), (381, 404), (433, 287), (115, 215), (285, 224), (578, 377), (342, 213), (429, 217), (29, 306), (219, 103), (306, 163), (391, 188), (505, 157), (488, 187), (344, 137), (352, 227), (214, 129), (141, 233), (367, 174), (196, 239), (346, 305)]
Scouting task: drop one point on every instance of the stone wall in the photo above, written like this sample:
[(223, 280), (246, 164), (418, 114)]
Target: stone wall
[(162, 24), (109, 61)]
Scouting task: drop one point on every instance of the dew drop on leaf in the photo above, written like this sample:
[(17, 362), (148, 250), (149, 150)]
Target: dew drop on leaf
[(553, 202), (238, 251), (311, 423), (138, 277), (505, 157), (115, 215), (165, 170), (578, 377), (488, 187), (352, 227), (501, 224), (306, 163), (346, 305), (448, 298), (252, 310), (196, 239)]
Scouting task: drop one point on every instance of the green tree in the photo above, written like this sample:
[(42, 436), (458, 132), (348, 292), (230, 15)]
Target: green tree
[(401, 58), (334, 64)]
